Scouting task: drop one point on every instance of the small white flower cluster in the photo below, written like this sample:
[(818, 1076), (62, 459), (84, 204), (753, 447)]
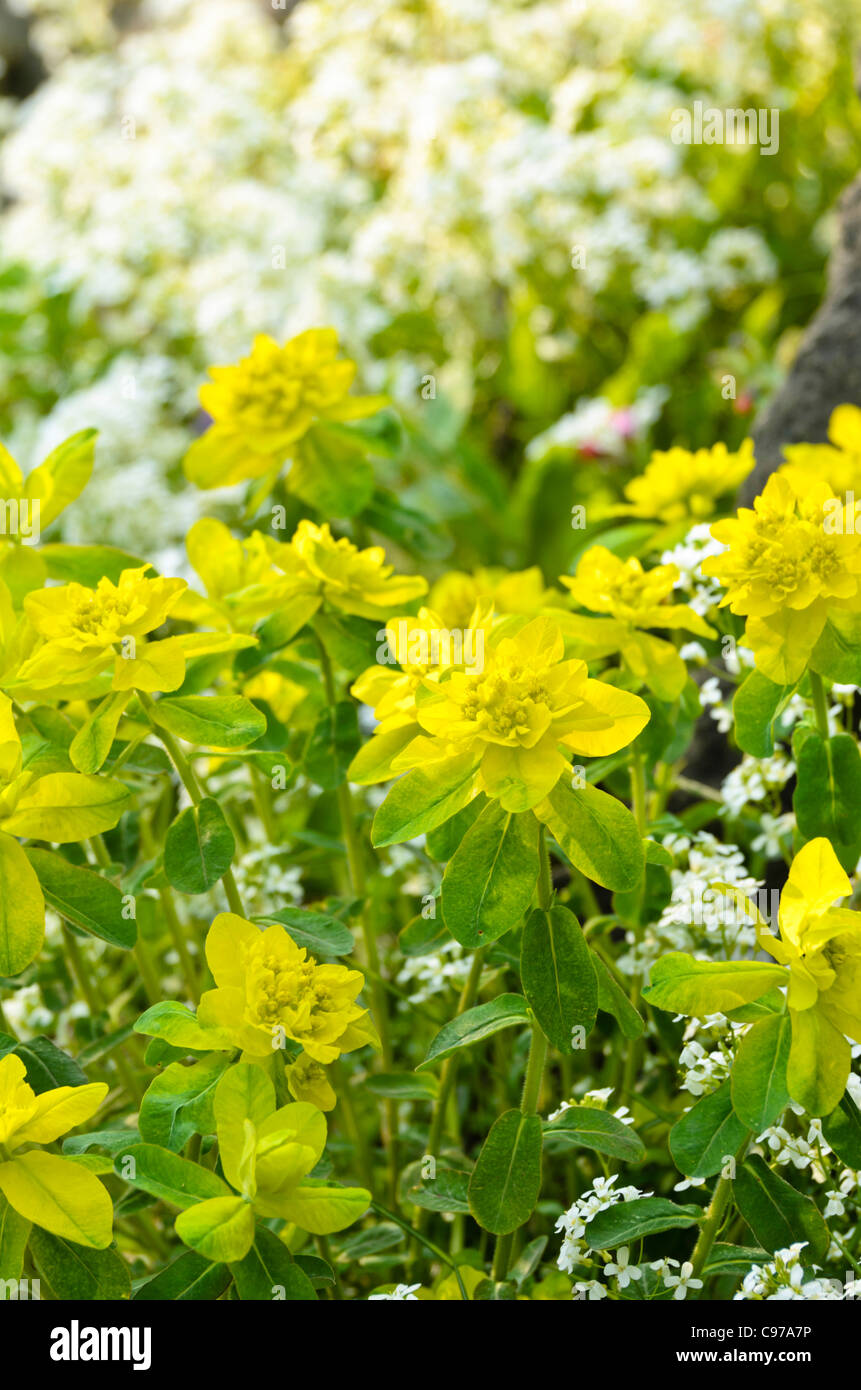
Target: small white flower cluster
[(573, 1222), (786, 1278), (699, 917), (446, 967), (755, 780), (401, 1293), (624, 1274), (596, 1100), (702, 594), (704, 1069)]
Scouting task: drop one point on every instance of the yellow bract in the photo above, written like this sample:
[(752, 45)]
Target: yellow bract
[(455, 596), (53, 1192), (789, 562), (269, 989), (682, 486), (819, 942), (352, 580), (838, 463), (634, 599), (517, 714), (266, 402), (86, 631)]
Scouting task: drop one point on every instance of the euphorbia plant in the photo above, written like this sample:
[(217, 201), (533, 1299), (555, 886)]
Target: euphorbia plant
[(393, 912)]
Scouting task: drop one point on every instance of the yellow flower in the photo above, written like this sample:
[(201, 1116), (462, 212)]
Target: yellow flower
[(53, 1192), (267, 1154), (455, 596), (265, 403), (359, 582), (415, 654), (47, 490), (681, 486), (636, 599), (269, 989), (838, 464), (515, 716), (307, 1081), (819, 942), (87, 630), (788, 565), (241, 579)]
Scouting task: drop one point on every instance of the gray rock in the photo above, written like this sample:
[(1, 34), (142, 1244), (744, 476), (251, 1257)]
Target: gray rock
[(827, 370)]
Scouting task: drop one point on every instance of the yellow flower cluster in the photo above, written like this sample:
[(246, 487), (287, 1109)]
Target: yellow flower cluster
[(790, 563)]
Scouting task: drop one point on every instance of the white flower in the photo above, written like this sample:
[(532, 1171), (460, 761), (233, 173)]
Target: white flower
[(682, 1281), (401, 1293), (591, 1289), (621, 1270)]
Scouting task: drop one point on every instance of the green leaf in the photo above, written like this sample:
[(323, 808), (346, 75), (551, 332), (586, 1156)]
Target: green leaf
[(448, 1191), (423, 799), (442, 842), (72, 1271), (177, 1025), (488, 884), (167, 1176), (506, 1011), (558, 976), (819, 1063), (92, 743), (211, 721), (402, 1085), (827, 796), (734, 1259), (627, 1222), (319, 932), (178, 1103), (528, 1262), (221, 1228), (596, 832), (269, 1272), (191, 1278), (837, 654), (613, 1000), (199, 848), (683, 985), (59, 1195), (759, 1090), (14, 1233), (506, 1179), (22, 909), (842, 1130), (66, 806), (331, 470), (87, 564), (776, 1212), (46, 1066), (707, 1136), (583, 1126), (84, 898), (756, 705), (332, 744)]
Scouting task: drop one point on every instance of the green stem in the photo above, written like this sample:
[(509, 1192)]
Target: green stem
[(537, 1053), (192, 786), (820, 704), (715, 1215), (638, 789)]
